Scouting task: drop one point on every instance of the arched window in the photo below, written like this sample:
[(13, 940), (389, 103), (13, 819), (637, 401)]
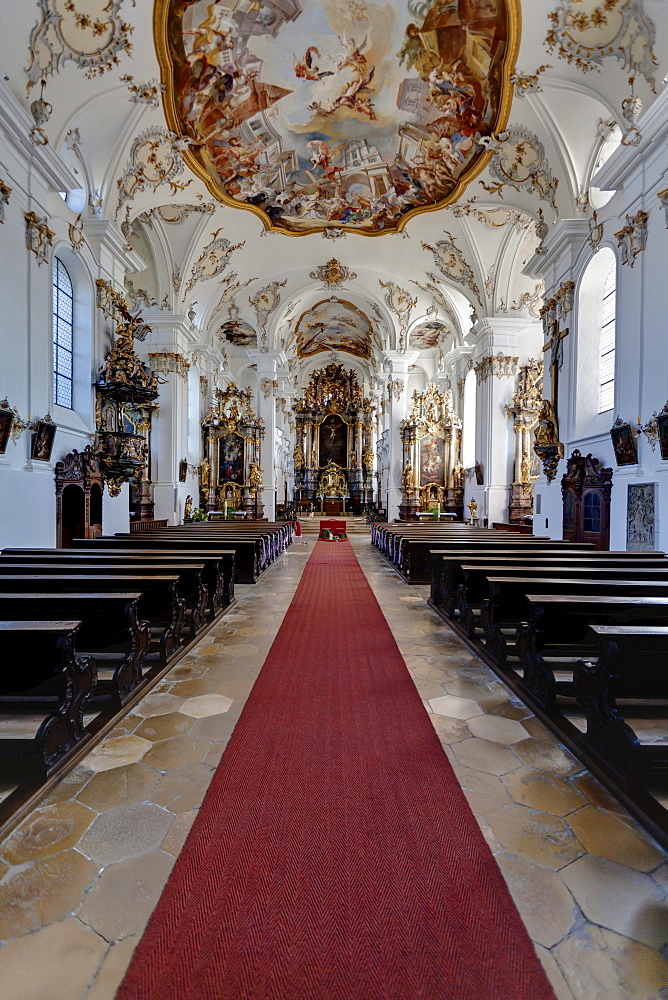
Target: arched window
[(63, 335), (608, 315), (469, 420)]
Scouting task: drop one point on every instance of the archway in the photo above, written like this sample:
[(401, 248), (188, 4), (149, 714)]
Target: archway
[(73, 514)]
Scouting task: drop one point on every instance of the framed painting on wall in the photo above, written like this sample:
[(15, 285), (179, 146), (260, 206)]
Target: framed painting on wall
[(624, 444), (432, 460), (231, 458), (42, 441), (6, 421)]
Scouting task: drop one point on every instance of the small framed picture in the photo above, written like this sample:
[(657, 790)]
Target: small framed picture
[(183, 470), (6, 421), (662, 426), (42, 441), (624, 443)]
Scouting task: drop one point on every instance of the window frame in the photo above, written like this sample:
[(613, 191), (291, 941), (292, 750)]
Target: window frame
[(61, 351)]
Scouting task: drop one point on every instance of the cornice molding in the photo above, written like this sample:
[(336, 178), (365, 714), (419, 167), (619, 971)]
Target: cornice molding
[(16, 124), (627, 160)]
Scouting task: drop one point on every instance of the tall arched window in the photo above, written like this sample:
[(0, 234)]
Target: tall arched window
[(63, 334), (608, 315), (469, 420)]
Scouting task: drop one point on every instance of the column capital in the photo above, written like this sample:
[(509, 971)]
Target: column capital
[(267, 361), (399, 363)]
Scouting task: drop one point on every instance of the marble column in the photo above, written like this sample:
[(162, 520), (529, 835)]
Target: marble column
[(397, 366), (268, 365)]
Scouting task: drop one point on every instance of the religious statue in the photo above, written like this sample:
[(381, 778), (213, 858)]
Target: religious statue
[(367, 458), (473, 509), (408, 479), (298, 456), (352, 460), (205, 472), (188, 509), (547, 430), (255, 477)]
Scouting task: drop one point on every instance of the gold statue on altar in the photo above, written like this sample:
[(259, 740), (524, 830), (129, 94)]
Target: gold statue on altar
[(333, 482)]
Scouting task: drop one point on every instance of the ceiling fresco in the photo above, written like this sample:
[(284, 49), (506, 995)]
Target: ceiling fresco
[(426, 335), (334, 324), (317, 113)]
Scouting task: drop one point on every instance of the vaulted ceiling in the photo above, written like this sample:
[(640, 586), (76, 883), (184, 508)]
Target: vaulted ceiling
[(335, 119)]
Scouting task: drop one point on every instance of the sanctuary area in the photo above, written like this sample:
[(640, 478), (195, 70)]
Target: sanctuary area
[(333, 500)]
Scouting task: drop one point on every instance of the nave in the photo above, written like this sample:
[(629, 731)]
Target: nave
[(79, 890)]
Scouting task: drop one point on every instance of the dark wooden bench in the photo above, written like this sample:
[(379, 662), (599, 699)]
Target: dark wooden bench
[(413, 558), (160, 603), (556, 634), (190, 583), (248, 552), (218, 569), (42, 673), (504, 607), (111, 631), (630, 665)]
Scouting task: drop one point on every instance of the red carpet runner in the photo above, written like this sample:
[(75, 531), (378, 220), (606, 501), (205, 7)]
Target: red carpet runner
[(335, 856)]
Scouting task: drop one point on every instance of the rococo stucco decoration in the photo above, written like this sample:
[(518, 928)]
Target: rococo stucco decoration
[(155, 159), (585, 32), (333, 273), (401, 304), (213, 259), (520, 162), (39, 238), (5, 192), (450, 260), (264, 302), (298, 114), (632, 238), (90, 33)]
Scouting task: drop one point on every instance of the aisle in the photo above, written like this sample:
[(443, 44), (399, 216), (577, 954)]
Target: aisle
[(335, 856)]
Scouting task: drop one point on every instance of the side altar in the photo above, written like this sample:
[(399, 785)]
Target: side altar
[(432, 477), (230, 473)]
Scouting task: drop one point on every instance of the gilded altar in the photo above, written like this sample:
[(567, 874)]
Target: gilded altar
[(230, 473), (431, 438)]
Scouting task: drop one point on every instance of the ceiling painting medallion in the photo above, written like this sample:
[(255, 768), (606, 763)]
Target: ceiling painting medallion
[(334, 324), (315, 119)]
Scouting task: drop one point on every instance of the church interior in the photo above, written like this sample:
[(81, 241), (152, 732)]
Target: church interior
[(333, 477)]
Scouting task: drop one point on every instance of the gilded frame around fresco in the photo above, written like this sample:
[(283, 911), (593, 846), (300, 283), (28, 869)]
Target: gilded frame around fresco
[(160, 35)]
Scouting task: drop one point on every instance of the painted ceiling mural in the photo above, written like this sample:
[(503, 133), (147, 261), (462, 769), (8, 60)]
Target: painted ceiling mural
[(345, 113), (334, 324)]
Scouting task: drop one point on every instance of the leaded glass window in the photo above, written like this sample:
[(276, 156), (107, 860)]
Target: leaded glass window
[(607, 369), (63, 333)]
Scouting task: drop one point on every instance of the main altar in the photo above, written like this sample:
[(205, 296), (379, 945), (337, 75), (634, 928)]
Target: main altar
[(333, 456)]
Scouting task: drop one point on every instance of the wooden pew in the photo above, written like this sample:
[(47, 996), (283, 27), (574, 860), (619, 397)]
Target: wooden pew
[(556, 634), (110, 630), (190, 584), (504, 607), (160, 603), (42, 672), (461, 577), (218, 572), (248, 551), (630, 664), (413, 556)]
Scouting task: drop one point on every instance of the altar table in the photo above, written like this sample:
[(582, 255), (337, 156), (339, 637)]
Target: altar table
[(336, 527)]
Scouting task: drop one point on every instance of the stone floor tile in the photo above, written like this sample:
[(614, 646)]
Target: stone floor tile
[(501, 705), (47, 831), (535, 727), (113, 969), (539, 790), (119, 787), (485, 792), (179, 830), (164, 727), (485, 756), (238, 687), (184, 788), (660, 876), (545, 904), (623, 900), (43, 893), (126, 832), (216, 727), (598, 964), (117, 752), (205, 705), (455, 708), (546, 756), (449, 730), (595, 793), (615, 838), (535, 836), (488, 834), (239, 649), (67, 786), (215, 753), (54, 963), (125, 895), (126, 725), (158, 702), (554, 975), (496, 729), (178, 752)]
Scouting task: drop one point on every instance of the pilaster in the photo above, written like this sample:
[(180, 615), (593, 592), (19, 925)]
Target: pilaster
[(269, 363)]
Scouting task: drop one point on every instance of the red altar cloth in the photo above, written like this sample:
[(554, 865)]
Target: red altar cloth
[(336, 527)]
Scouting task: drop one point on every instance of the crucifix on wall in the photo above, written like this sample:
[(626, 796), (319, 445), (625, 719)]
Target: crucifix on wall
[(556, 348)]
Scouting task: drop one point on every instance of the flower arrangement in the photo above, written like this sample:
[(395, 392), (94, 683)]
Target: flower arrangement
[(199, 515), (328, 536)]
